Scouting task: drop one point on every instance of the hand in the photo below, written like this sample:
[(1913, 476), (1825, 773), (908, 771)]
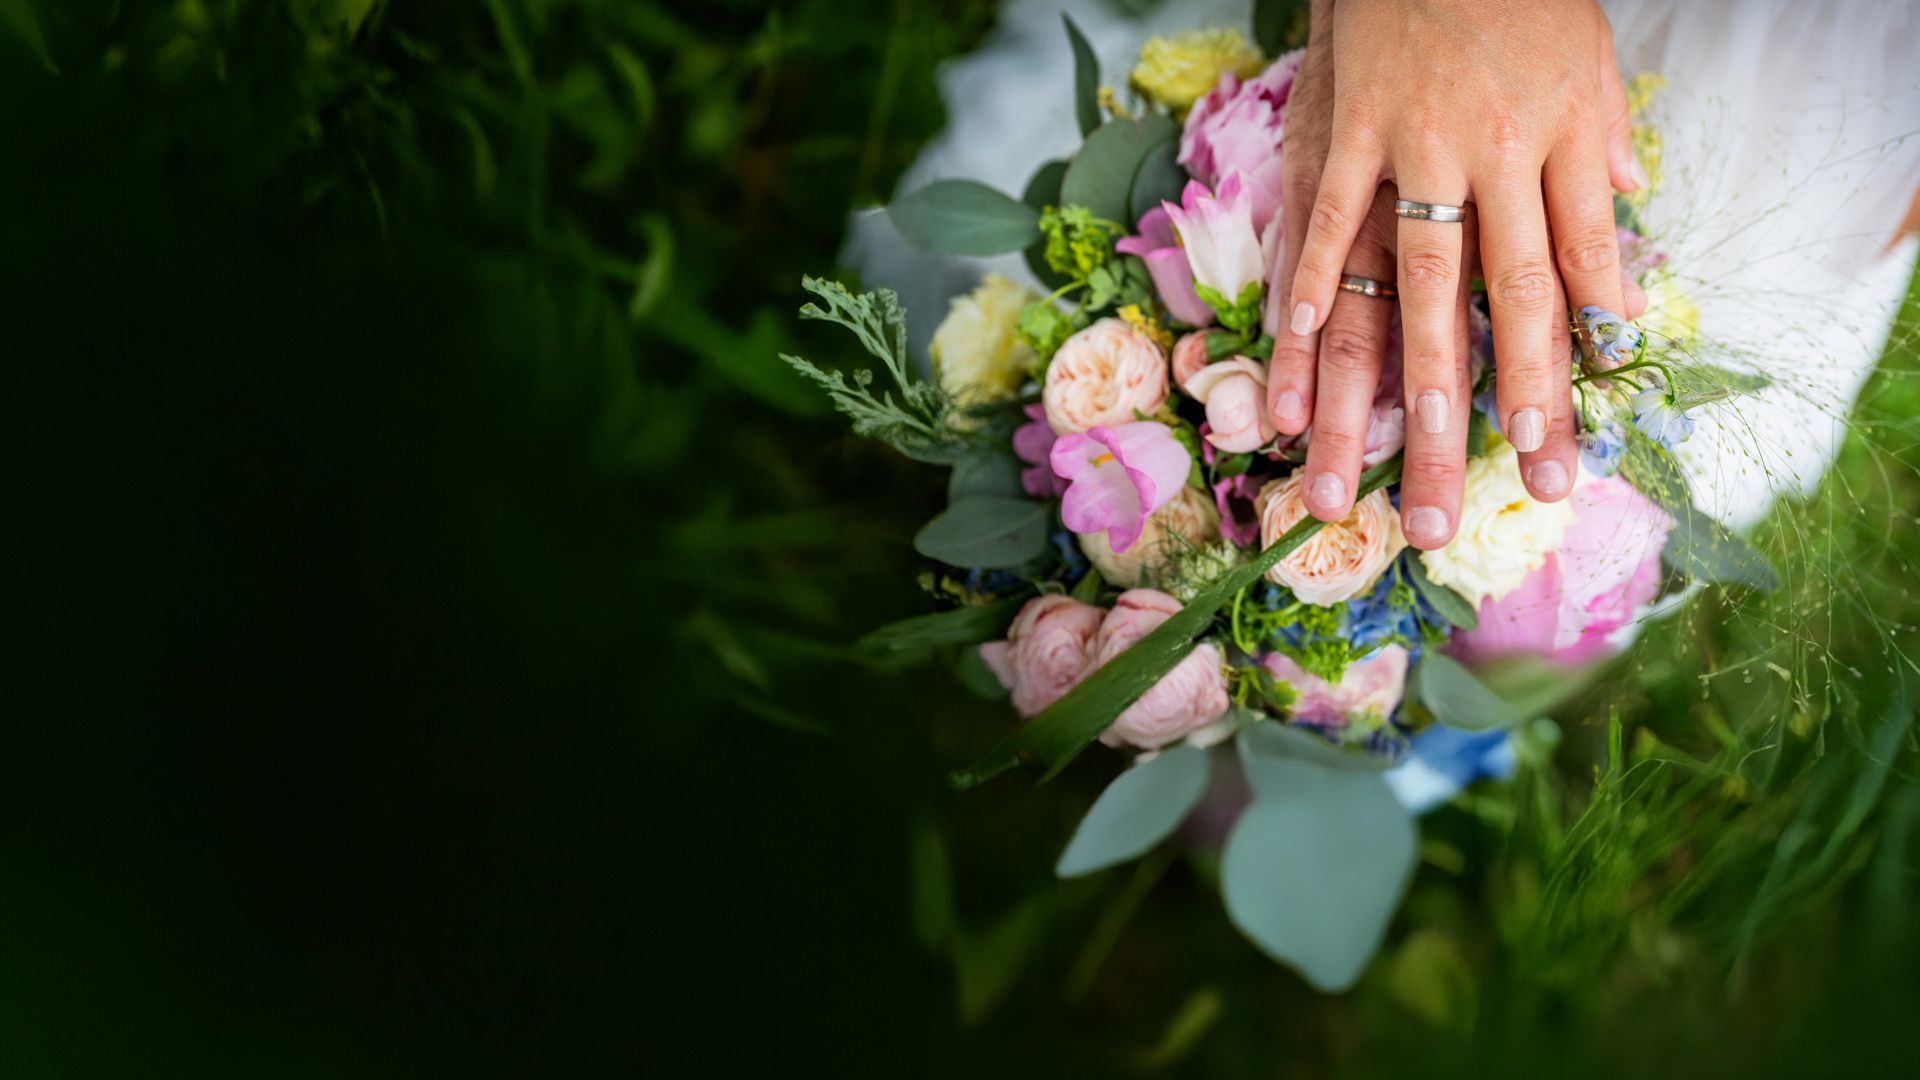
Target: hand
[(1454, 104)]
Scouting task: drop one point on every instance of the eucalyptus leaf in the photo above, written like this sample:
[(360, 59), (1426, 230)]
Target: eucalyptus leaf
[(1316, 866), (1086, 78), (1058, 734), (1159, 179), (985, 472), (1100, 177), (1271, 739), (988, 532), (1136, 811), (1456, 697), (964, 217), (1451, 605)]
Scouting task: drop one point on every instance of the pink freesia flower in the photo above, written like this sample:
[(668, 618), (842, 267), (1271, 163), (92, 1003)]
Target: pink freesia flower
[(1166, 260), (1235, 394), (1049, 649), (1033, 445), (1186, 699), (1605, 568), (1238, 127), (1117, 476), (1367, 693), (1217, 230), (1239, 513)]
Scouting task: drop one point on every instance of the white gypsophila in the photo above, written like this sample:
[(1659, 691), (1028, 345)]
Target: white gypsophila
[(977, 355), (1504, 534)]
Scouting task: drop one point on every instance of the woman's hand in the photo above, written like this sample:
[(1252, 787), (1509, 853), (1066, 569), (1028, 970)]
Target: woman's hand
[(1455, 101)]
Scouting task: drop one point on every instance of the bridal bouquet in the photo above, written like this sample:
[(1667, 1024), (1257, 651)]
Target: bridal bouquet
[(1127, 557)]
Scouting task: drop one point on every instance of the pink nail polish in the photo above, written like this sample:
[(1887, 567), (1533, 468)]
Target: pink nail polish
[(1302, 319), (1527, 429), (1427, 524), (1548, 477), (1430, 408), (1327, 491), (1288, 406)]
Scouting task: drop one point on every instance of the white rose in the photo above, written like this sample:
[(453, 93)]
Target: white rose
[(1102, 376), (1344, 558), (1190, 522), (1504, 534), (977, 355)]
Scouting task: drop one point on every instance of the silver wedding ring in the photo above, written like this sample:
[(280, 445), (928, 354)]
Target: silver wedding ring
[(1379, 290), (1420, 211)]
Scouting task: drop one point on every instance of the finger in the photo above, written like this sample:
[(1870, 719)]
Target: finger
[(1290, 372), (1347, 187), (1624, 170), (1549, 471), (1434, 469), (1633, 299), (1586, 244), (1521, 294), (1353, 345)]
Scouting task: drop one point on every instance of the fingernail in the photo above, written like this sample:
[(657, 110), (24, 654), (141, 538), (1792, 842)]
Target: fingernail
[(1527, 429), (1287, 406), (1640, 181), (1431, 409), (1328, 491), (1303, 319), (1427, 524), (1547, 477)]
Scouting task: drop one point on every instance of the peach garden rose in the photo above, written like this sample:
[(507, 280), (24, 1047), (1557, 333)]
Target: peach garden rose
[(1104, 376), (1342, 560)]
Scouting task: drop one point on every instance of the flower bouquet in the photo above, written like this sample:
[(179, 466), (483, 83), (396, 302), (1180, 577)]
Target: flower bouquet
[(1127, 555)]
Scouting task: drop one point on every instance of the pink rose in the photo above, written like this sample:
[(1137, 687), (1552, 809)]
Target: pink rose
[(1049, 649), (1367, 692), (1606, 567), (1186, 699), (1102, 376), (1238, 127), (1235, 394), (1190, 355), (1118, 476), (1223, 246), (1343, 559), (1166, 260), (1033, 445)]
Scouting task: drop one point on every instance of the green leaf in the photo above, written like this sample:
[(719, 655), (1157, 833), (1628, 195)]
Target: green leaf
[(1086, 79), (1042, 191), (1266, 738), (1703, 384), (990, 471), (1059, 732), (1451, 605), (1476, 433), (1272, 20), (964, 217), (1087, 589), (1100, 177), (988, 532), (1136, 811), (933, 919), (1699, 547), (1159, 179), (1315, 867), (1456, 697), (914, 640), (19, 15)]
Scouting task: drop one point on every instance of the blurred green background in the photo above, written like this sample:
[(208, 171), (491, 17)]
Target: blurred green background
[(434, 607)]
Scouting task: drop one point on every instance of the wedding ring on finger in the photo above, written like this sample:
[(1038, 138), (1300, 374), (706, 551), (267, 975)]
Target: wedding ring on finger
[(1420, 211), (1366, 286)]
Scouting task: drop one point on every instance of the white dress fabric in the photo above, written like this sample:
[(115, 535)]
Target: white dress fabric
[(1791, 136)]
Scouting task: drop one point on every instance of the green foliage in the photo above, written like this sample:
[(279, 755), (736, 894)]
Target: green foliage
[(1138, 810), (963, 217), (1698, 546), (987, 531), (1086, 78), (1450, 605), (1102, 175)]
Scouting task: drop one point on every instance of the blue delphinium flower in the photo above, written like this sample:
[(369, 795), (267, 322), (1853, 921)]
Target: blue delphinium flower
[(1600, 450), (1613, 338), (1487, 402), (1444, 761), (1659, 419), (1068, 549)]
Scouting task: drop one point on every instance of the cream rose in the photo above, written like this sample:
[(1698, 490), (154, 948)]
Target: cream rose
[(977, 355), (1343, 559), (1102, 376), (1504, 534), (1190, 522), (1049, 649), (1186, 699)]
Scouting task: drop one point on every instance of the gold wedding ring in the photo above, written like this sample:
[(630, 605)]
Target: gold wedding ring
[(1379, 290)]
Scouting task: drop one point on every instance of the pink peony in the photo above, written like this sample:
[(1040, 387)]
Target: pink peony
[(1166, 260), (1237, 127), (1235, 394), (1606, 567), (1033, 445), (1217, 229), (1367, 692), (1344, 558), (1117, 476), (1049, 649), (1186, 699), (1103, 376)]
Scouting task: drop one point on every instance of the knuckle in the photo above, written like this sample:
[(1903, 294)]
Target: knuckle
[(1332, 439), (1329, 218), (1590, 252), (1429, 472), (1357, 118), (1302, 182), (1349, 351), (1524, 287), (1291, 357), (1429, 270), (1431, 361), (1507, 136)]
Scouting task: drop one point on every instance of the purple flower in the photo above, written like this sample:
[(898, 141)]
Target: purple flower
[(1239, 519), (1159, 247), (1118, 476), (1238, 128), (1614, 339), (1032, 444)]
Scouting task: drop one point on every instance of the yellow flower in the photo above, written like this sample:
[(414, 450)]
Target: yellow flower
[(1177, 71), (1670, 311), (1147, 325), (1646, 137), (977, 356)]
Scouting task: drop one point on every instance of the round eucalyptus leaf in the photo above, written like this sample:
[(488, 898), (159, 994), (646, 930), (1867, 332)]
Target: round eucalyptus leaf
[(987, 531), (963, 217), (1100, 177), (1136, 811)]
